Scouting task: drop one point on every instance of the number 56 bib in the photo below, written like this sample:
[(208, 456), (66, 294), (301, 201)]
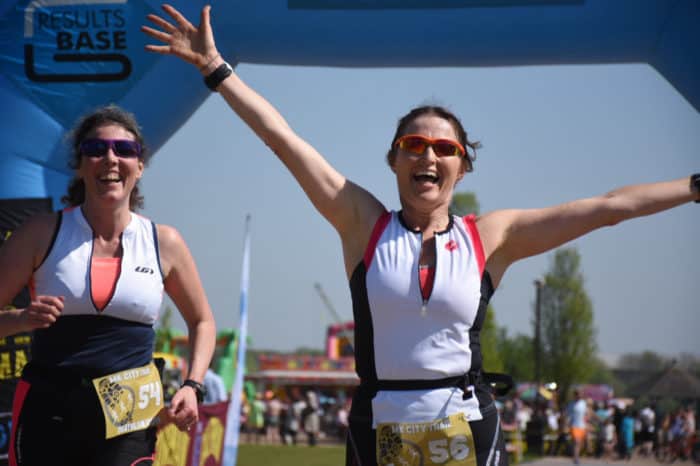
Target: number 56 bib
[(130, 399), (447, 442)]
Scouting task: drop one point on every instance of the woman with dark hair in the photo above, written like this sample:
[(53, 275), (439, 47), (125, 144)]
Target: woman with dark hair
[(420, 278), (110, 114), (91, 394)]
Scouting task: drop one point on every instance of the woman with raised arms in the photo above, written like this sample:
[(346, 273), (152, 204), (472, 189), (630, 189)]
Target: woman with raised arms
[(420, 278)]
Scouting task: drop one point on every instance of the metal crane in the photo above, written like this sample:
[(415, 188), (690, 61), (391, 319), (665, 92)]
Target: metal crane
[(328, 303)]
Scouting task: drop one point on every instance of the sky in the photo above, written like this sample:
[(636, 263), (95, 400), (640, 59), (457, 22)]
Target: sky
[(550, 134)]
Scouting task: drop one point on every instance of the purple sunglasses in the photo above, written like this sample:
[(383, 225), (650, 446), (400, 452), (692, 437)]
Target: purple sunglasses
[(124, 148)]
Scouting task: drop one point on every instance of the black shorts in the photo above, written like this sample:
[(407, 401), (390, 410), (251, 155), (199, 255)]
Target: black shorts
[(361, 438), (62, 423)]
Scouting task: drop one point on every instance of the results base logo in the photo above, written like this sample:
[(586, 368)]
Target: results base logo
[(76, 41), (69, 56)]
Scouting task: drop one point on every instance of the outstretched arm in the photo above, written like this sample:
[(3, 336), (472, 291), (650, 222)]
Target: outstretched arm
[(510, 235), (348, 207)]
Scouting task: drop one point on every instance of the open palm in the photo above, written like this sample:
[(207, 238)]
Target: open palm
[(192, 44)]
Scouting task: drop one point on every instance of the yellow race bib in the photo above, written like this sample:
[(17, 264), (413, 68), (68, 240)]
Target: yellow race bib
[(130, 399), (447, 442)]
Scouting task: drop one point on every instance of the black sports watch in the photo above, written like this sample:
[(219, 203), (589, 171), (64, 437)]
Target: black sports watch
[(213, 80), (199, 389), (695, 185)]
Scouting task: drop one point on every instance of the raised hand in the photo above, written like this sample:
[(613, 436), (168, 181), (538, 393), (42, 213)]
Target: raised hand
[(192, 44)]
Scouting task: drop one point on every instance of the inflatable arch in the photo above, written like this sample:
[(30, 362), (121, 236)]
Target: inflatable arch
[(60, 58)]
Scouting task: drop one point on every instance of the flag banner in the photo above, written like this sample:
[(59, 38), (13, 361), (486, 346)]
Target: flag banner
[(202, 446), (234, 409)]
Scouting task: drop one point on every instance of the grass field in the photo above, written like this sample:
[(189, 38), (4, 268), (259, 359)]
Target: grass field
[(301, 455)]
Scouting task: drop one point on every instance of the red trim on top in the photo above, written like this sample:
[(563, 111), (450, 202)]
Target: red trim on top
[(68, 209), (470, 222), (377, 231), (20, 395), (427, 278)]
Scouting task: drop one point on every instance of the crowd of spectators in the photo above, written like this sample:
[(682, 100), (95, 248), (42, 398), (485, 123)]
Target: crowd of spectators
[(294, 416), (613, 430)]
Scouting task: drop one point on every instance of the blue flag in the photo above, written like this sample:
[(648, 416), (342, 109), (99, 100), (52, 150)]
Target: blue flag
[(234, 408)]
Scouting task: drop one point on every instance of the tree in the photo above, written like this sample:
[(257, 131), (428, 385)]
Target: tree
[(646, 361), (489, 339), (601, 374), (164, 332), (689, 362), (518, 356), (464, 203), (568, 335)]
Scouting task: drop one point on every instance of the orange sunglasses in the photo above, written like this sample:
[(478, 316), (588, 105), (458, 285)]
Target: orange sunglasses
[(417, 144)]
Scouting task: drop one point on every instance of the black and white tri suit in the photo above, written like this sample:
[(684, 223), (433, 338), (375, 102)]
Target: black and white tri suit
[(419, 359), (57, 418)]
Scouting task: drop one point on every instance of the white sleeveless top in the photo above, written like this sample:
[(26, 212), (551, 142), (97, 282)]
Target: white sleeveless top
[(422, 339), (65, 271)]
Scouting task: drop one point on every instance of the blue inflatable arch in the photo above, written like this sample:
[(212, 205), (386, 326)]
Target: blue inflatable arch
[(60, 58)]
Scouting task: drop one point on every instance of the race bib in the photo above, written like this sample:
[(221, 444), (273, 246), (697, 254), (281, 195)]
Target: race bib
[(130, 399), (447, 441)]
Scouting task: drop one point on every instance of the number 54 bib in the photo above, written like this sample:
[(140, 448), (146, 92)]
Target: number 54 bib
[(447, 442), (130, 399)]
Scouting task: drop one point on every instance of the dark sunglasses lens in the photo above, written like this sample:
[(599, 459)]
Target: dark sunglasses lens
[(126, 148), (446, 149), (94, 148), (413, 144)]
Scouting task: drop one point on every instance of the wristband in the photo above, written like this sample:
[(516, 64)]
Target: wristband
[(695, 185), (213, 80), (199, 389)]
